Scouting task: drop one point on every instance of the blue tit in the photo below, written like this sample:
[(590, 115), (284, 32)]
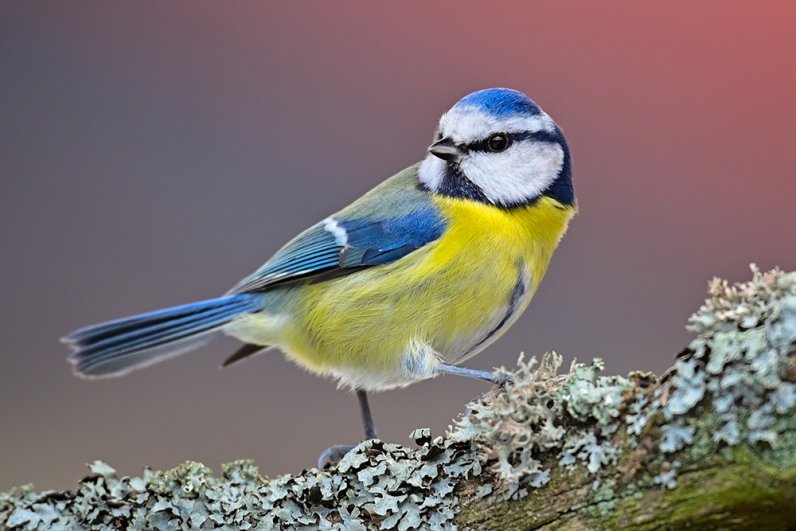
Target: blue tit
[(416, 276)]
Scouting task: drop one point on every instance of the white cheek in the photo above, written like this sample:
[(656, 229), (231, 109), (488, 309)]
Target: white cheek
[(521, 173), (431, 172)]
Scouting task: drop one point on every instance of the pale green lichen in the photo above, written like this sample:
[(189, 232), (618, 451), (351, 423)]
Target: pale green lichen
[(733, 388), (739, 361), (731, 379), (572, 418), (375, 486)]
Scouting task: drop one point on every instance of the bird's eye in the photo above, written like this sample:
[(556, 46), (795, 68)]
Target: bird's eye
[(498, 142)]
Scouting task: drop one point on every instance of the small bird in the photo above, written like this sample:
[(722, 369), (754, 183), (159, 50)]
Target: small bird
[(416, 276)]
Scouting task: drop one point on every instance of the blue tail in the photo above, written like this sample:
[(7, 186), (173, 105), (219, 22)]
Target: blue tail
[(117, 347)]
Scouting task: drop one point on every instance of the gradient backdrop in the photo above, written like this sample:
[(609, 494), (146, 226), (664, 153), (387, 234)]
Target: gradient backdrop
[(153, 154)]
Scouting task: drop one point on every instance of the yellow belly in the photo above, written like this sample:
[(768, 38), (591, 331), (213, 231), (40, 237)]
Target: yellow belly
[(388, 325)]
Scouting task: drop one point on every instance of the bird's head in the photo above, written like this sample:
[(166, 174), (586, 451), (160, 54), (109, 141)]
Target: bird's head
[(498, 146)]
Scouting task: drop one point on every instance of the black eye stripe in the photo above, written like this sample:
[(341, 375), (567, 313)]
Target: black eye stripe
[(538, 136)]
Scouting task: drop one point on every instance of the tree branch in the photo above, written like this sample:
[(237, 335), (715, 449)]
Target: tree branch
[(712, 444)]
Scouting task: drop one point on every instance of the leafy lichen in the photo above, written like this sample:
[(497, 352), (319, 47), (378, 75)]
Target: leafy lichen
[(376, 485), (607, 449), (539, 420)]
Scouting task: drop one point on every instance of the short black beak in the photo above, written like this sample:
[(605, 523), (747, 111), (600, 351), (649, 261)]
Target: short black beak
[(445, 149)]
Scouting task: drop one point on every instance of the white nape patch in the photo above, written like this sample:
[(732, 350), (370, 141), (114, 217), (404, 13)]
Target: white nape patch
[(516, 175), (468, 124), (340, 234)]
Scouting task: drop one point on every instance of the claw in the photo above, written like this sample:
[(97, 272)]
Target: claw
[(332, 455), (501, 379)]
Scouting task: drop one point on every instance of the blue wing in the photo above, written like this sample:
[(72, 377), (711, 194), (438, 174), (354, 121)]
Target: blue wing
[(385, 225), (341, 246)]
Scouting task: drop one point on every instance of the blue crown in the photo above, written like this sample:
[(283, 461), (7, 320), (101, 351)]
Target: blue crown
[(500, 103)]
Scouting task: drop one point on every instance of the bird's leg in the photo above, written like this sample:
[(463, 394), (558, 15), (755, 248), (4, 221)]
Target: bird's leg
[(488, 376), (332, 455), (367, 417)]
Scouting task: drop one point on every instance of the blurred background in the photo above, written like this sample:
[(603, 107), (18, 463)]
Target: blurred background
[(153, 154)]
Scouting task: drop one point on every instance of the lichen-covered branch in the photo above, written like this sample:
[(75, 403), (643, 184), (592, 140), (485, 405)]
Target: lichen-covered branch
[(711, 444)]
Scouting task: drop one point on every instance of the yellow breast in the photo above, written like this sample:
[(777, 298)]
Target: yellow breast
[(444, 298), (495, 237)]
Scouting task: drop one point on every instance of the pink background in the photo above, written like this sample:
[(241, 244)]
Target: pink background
[(153, 154)]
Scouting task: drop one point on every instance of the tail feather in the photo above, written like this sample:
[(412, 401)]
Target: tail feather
[(122, 345), (133, 337), (126, 363), (100, 331)]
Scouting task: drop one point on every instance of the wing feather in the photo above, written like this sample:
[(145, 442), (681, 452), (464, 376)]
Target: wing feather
[(385, 225)]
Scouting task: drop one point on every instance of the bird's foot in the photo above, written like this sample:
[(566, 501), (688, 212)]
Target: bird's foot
[(501, 379), (332, 455)]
